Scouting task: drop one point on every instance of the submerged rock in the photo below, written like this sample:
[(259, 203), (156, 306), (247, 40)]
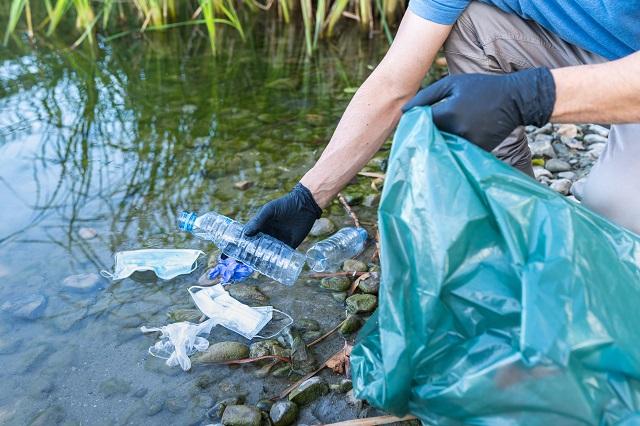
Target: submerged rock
[(223, 351), (241, 415), (190, 315), (307, 324), (354, 265), (282, 371), (343, 386), (29, 307), (339, 297), (359, 303), (350, 325), (217, 410), (302, 360), (321, 227), (339, 283), (82, 282), (309, 391), (264, 404), (311, 335), (114, 386), (267, 347), (246, 293), (283, 413), (52, 415)]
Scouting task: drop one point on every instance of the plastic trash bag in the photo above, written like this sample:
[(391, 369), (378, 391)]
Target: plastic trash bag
[(179, 341), (501, 302)]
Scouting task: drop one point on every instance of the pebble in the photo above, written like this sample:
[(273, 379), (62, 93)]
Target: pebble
[(82, 282), (87, 233), (114, 386), (246, 293), (267, 347), (243, 185), (561, 185), (311, 335), (596, 150), (179, 315), (175, 405), (241, 415), (321, 227), (223, 351), (339, 283), (370, 285), (281, 371), (540, 172), (283, 413), (556, 165), (598, 130), (343, 386), (217, 410), (350, 325), (308, 324), (572, 143), (359, 303), (351, 265), (567, 175), (28, 307), (568, 130), (339, 296), (541, 147), (309, 391), (264, 404), (577, 188), (593, 138)]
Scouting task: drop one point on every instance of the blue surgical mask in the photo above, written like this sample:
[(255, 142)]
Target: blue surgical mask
[(166, 263)]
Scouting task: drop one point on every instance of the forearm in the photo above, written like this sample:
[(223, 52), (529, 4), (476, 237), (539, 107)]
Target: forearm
[(375, 109), (603, 93)]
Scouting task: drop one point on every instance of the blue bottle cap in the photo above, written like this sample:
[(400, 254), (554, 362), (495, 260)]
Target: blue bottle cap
[(185, 221)]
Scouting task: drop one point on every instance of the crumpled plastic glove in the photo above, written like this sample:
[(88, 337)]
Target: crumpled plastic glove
[(288, 218), (485, 109), (229, 270)]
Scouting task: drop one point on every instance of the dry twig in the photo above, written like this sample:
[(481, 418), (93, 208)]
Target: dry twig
[(349, 210), (327, 334)]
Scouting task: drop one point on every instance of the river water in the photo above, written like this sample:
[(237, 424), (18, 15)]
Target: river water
[(118, 138)]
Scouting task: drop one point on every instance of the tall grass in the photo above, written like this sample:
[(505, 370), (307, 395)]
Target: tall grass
[(122, 17)]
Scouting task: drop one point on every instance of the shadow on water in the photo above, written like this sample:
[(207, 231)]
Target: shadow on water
[(118, 139)]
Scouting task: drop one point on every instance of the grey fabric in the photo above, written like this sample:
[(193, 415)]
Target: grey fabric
[(490, 41)]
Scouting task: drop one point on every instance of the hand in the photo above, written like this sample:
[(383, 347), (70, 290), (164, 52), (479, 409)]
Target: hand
[(288, 218), (485, 109)]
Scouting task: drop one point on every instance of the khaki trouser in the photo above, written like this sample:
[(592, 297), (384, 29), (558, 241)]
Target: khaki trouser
[(490, 41)]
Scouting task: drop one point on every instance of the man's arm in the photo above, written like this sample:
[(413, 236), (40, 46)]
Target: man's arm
[(603, 93), (375, 108)]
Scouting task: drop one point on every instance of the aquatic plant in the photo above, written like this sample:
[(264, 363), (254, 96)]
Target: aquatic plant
[(124, 17)]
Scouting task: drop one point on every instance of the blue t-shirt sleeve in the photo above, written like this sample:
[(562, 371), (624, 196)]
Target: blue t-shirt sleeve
[(444, 12)]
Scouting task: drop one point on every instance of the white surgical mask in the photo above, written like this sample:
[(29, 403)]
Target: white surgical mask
[(166, 263), (223, 309)]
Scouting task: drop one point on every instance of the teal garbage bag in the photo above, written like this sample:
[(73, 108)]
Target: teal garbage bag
[(501, 302)]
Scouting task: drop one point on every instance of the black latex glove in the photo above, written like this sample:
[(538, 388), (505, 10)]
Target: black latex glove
[(485, 109), (288, 218)]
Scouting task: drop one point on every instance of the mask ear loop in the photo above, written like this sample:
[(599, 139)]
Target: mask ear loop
[(283, 327), (195, 262), (107, 274)]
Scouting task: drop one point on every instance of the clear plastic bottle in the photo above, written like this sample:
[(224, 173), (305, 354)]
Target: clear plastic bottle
[(262, 252), (328, 254)]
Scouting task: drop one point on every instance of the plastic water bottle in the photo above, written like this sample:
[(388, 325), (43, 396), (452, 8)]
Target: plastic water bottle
[(262, 252), (330, 253)]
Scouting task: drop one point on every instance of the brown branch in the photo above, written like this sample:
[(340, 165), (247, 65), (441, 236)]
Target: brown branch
[(349, 210), (355, 283), (327, 334)]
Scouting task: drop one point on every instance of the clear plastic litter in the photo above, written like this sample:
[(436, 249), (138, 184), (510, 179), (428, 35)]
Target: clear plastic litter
[(262, 252), (180, 340), (218, 305), (328, 254), (166, 263), (501, 302)]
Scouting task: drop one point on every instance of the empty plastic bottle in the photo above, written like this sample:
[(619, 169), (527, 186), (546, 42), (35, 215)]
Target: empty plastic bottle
[(328, 254), (263, 253)]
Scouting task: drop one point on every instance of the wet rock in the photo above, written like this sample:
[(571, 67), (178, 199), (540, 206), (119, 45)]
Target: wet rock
[(343, 386), (359, 303), (568, 130), (82, 282), (309, 391), (87, 233), (243, 185), (264, 405), (350, 325), (52, 415), (541, 147), (556, 165), (598, 130), (114, 386), (593, 138), (596, 150), (311, 335), (572, 143), (246, 293), (351, 265), (540, 172), (283, 413), (178, 315), (217, 410), (567, 175), (28, 307), (267, 347), (561, 185), (223, 351), (339, 283), (241, 415), (281, 371), (370, 285), (302, 360), (175, 405), (340, 296), (321, 227), (307, 324)]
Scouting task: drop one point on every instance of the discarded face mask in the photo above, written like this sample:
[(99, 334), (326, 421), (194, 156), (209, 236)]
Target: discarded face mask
[(166, 263), (233, 315), (180, 340)]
